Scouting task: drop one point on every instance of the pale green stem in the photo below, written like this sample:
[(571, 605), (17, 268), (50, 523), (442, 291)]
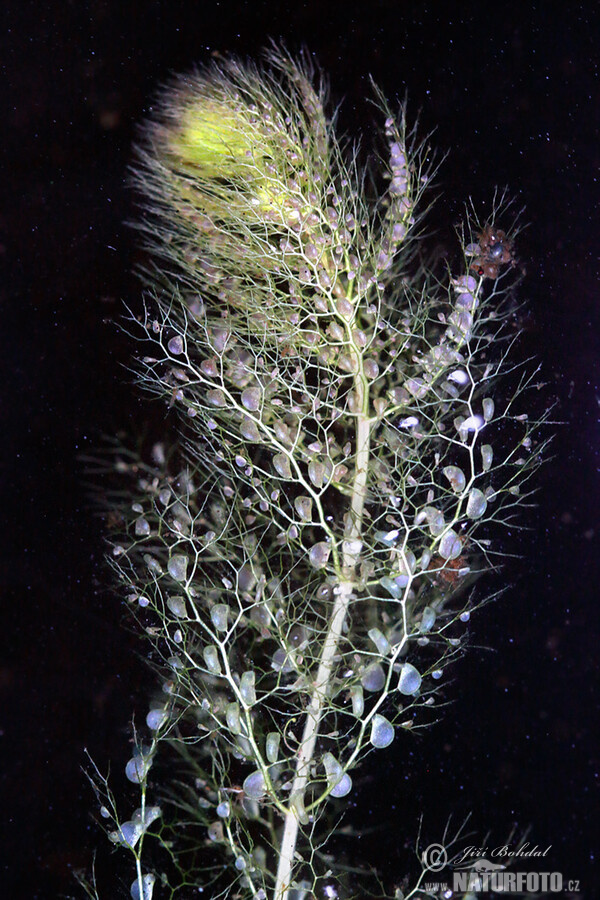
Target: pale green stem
[(343, 595)]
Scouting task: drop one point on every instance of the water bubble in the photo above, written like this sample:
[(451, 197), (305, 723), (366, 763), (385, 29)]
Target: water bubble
[(211, 658), (471, 423), (373, 677), (465, 616), (380, 641), (391, 586), (316, 473), (177, 567), (297, 804), (406, 565), (142, 528), (219, 338), (176, 663), (459, 376), (425, 560), (175, 345), (389, 538), (147, 888), (358, 700), (153, 564), (338, 781), (410, 680), (177, 607), (156, 718), (148, 816), (129, 833), (254, 786), (281, 464), (216, 398), (232, 717), (408, 422), (352, 548), (487, 455), (333, 769), (343, 787), (488, 409), (456, 477), (450, 545), (371, 369), (298, 636), (428, 618), (251, 399), (219, 615), (345, 308), (477, 504), (272, 746), (246, 578), (382, 732), (303, 506), (247, 688), (209, 367), (319, 555), (437, 674), (249, 430), (215, 832), (434, 517), (282, 662), (137, 768)]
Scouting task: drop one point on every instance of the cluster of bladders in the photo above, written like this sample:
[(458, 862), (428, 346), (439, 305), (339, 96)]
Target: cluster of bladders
[(492, 250)]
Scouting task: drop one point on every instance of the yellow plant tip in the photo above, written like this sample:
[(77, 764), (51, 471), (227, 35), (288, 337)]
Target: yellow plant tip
[(213, 137)]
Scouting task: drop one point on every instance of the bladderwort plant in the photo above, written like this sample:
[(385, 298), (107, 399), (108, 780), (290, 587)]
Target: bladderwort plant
[(300, 558)]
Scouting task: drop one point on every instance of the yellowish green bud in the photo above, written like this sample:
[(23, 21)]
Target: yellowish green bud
[(214, 137)]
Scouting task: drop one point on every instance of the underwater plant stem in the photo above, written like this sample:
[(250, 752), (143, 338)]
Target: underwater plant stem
[(343, 594)]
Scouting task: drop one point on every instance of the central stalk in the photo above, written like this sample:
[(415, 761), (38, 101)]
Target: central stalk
[(343, 592)]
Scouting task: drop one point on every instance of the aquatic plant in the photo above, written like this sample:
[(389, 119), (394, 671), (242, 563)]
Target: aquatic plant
[(300, 556)]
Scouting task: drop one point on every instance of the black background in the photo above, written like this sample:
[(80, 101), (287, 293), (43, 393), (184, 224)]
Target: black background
[(512, 89)]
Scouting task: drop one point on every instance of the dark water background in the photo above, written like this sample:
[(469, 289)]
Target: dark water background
[(513, 91)]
